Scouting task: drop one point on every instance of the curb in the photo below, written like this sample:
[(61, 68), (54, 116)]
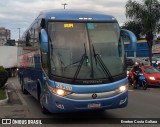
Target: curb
[(3, 102), (20, 97)]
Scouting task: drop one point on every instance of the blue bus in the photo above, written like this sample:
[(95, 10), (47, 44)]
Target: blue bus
[(74, 60)]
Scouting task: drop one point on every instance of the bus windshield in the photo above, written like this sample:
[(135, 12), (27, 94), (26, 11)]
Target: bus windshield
[(85, 50)]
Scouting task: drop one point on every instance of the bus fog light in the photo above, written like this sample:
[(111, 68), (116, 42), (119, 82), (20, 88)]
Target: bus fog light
[(121, 89)]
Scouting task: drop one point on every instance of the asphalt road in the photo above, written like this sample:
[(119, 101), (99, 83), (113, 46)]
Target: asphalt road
[(142, 104)]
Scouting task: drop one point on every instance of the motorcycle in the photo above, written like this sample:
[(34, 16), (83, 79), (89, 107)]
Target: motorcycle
[(141, 81)]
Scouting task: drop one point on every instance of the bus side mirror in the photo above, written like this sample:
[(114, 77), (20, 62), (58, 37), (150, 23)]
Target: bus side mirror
[(129, 37), (44, 40)]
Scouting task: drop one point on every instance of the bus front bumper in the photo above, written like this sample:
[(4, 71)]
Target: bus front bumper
[(62, 104)]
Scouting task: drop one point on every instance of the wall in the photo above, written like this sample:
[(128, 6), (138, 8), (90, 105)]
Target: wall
[(141, 50)]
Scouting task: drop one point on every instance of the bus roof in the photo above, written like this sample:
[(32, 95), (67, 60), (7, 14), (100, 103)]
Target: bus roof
[(67, 14)]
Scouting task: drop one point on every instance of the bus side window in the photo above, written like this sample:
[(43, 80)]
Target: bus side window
[(45, 62), (43, 24), (28, 37)]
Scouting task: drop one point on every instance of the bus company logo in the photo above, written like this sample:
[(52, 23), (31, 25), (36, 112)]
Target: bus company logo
[(92, 81), (94, 96), (6, 121)]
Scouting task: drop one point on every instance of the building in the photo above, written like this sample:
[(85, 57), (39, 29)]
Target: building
[(156, 50), (142, 49), (5, 34)]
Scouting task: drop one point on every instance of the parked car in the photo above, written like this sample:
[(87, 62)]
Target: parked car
[(129, 62), (151, 74), (153, 59)]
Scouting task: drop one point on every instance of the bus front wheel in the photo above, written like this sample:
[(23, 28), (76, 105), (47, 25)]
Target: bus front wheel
[(24, 91)]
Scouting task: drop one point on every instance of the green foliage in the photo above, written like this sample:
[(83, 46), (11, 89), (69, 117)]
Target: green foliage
[(2, 69), (146, 13), (3, 76), (2, 94)]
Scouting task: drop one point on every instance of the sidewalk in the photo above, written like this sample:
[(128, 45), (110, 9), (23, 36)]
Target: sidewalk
[(15, 107)]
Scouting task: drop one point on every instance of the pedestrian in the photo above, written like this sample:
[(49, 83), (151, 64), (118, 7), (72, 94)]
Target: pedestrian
[(158, 66), (136, 69), (155, 64)]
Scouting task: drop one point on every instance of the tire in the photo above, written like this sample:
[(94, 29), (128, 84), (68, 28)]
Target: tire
[(43, 109), (24, 91), (130, 82), (144, 85), (135, 86), (20, 78), (20, 81)]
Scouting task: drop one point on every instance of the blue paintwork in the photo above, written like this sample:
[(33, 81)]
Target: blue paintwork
[(31, 76), (44, 41), (75, 15), (92, 88), (133, 39), (81, 105), (71, 105)]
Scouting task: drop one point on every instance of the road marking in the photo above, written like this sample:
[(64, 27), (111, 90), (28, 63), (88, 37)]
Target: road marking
[(130, 90)]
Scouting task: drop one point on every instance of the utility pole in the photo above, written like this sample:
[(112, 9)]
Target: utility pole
[(19, 32), (19, 36), (64, 5), (6, 34)]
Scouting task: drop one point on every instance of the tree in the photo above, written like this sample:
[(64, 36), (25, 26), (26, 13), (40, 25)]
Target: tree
[(146, 13), (134, 27), (3, 76)]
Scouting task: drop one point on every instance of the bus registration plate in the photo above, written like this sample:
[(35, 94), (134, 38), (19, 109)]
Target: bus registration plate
[(94, 105)]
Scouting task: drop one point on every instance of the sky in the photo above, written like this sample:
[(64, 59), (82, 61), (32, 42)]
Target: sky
[(19, 14)]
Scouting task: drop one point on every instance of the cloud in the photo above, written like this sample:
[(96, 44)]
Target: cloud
[(16, 14), (2, 16)]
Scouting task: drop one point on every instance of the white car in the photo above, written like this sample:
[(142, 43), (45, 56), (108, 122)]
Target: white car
[(146, 59), (154, 59)]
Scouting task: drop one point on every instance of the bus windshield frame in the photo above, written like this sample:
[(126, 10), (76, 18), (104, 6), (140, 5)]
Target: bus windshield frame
[(76, 49)]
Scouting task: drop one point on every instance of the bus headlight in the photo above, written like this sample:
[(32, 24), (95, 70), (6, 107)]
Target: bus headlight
[(122, 88), (61, 92), (58, 91)]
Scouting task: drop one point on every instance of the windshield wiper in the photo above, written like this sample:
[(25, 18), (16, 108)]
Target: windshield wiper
[(102, 65), (84, 57)]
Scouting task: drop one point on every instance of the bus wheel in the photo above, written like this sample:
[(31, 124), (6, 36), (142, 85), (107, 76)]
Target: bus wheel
[(20, 81), (24, 91), (43, 109)]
